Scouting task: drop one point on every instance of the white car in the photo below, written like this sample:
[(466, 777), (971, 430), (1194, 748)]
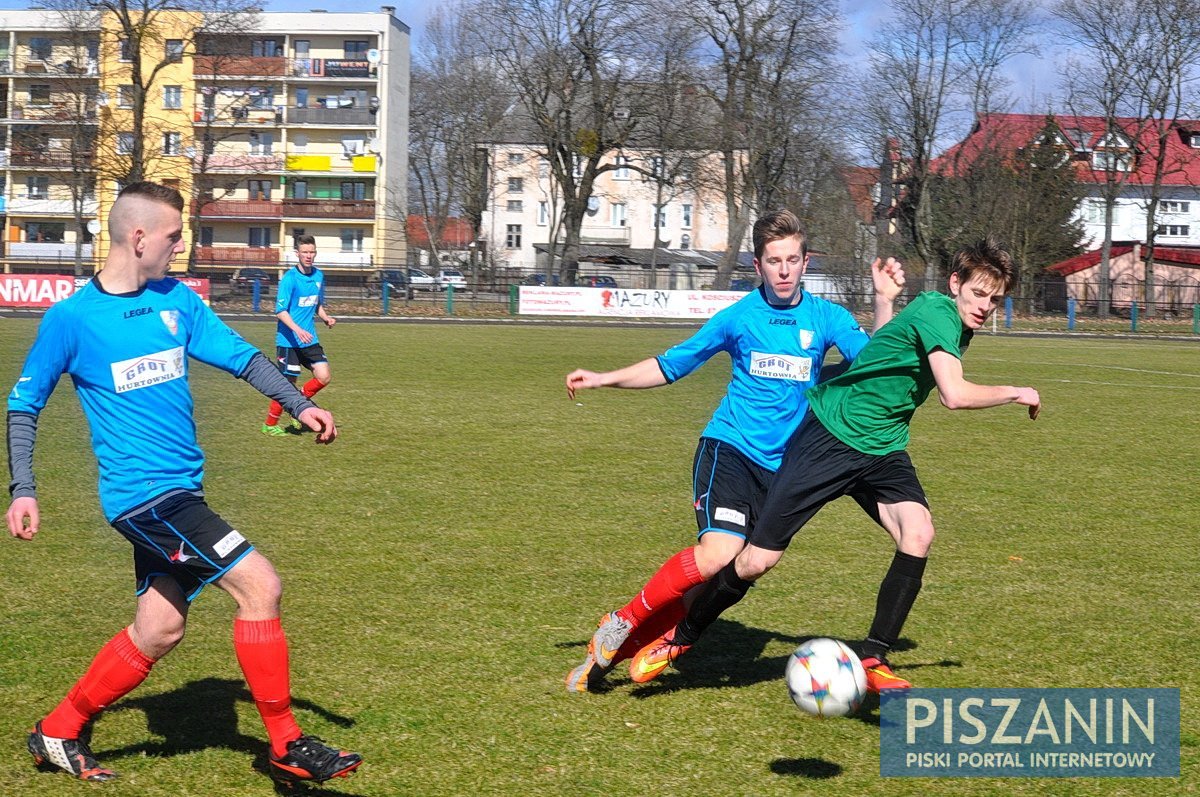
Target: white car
[(420, 281), (451, 276)]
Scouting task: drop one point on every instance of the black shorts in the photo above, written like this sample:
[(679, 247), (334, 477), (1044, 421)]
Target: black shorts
[(727, 489), (290, 360), (181, 538), (818, 468)]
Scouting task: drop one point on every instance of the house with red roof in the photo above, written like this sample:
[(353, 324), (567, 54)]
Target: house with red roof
[(1176, 276), (1093, 150)]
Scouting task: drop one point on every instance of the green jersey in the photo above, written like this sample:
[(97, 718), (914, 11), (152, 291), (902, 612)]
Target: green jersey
[(869, 407)]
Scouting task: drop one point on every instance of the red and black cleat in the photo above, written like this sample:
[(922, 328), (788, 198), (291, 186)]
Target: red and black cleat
[(70, 755), (310, 759)]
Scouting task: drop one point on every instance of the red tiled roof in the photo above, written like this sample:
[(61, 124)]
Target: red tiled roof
[(1163, 255), (1009, 132), (1086, 260), (455, 235)]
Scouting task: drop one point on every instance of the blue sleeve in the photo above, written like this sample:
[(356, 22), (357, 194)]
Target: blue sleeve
[(211, 341), (46, 362), (283, 299), (683, 358), (845, 332)]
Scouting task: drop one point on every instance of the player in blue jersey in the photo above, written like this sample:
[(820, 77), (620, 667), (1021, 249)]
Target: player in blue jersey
[(126, 338), (300, 301), (777, 338)]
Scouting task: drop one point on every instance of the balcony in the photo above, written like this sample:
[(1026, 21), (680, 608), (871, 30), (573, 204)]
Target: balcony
[(244, 162), (42, 252), (239, 209), (612, 236), (66, 68), (58, 112), (38, 205), (333, 259), (329, 208), (240, 66), (330, 116), (6, 65), (237, 255), (51, 159), (331, 67)]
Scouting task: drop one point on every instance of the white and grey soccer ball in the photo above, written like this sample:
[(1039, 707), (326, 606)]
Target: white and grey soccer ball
[(826, 679)]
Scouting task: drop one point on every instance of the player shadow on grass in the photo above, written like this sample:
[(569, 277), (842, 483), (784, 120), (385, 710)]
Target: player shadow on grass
[(203, 714)]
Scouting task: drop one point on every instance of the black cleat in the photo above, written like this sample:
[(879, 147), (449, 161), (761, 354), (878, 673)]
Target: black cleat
[(309, 758), (71, 755)]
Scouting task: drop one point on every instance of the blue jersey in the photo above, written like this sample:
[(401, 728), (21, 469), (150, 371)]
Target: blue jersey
[(127, 356), (300, 295), (777, 354)]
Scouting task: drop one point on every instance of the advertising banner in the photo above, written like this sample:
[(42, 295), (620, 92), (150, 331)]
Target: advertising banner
[(43, 290), (624, 302)]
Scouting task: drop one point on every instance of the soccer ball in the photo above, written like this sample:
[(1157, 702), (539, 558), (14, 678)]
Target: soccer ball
[(826, 679)]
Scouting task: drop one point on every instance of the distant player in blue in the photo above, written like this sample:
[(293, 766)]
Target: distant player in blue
[(777, 338), (300, 301), (126, 339)]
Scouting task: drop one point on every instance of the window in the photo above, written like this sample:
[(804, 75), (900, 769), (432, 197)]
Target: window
[(260, 236), (685, 241), (543, 167), (660, 212), (516, 157), (37, 187), (1079, 138), (301, 97), (656, 168), (262, 98), (577, 166), (265, 48), (125, 96), (1174, 206), (51, 232), (352, 240), (297, 234), (355, 50), (512, 236), (259, 189), (1194, 140), (300, 143), (261, 143), (543, 214), (172, 143), (41, 48), (172, 96), (39, 94), (125, 48), (302, 47), (1093, 212), (515, 206), (173, 51), (686, 217), (622, 170), (516, 185), (206, 236), (617, 214), (124, 143), (354, 191), (300, 189), (1173, 230)]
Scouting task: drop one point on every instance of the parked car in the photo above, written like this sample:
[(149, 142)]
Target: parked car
[(242, 279), (597, 281), (451, 276), (742, 284), (421, 281), (394, 278), (540, 279)]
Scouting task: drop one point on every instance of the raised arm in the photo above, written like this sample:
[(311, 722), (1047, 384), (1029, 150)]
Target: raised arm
[(956, 393), (888, 278), (644, 374)]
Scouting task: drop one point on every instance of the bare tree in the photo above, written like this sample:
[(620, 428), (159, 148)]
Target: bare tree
[(936, 58)]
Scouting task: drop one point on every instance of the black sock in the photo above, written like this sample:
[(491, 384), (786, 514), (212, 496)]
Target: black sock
[(896, 595), (724, 590)]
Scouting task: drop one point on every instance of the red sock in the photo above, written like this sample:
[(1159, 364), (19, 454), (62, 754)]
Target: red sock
[(273, 413), (262, 652), (117, 669), (312, 387), (655, 626), (677, 575)]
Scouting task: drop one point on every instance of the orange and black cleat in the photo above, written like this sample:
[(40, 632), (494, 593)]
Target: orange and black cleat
[(309, 758), (880, 677), (652, 660), (70, 755)]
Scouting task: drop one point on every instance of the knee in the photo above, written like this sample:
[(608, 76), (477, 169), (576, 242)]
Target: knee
[(918, 541), (158, 639), (711, 558), (753, 563)]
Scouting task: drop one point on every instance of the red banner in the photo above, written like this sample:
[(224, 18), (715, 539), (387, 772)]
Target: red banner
[(43, 290)]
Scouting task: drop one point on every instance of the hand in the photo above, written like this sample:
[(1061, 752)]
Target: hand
[(320, 421), (1030, 398), (329, 320), (18, 511), (580, 379), (888, 277), (304, 336)]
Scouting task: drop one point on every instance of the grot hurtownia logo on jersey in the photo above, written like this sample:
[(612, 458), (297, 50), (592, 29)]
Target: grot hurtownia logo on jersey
[(780, 366), (148, 369)]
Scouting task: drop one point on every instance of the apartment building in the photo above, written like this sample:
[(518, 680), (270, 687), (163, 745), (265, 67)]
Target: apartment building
[(296, 124)]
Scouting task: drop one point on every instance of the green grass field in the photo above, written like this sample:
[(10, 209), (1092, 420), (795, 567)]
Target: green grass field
[(445, 561)]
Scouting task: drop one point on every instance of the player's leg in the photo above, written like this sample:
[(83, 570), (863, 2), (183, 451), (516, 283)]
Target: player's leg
[(289, 365), (262, 653), (120, 666), (902, 509), (314, 358)]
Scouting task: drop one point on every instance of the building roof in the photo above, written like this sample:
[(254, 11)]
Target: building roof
[(455, 235), (1082, 135), (1186, 256)]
